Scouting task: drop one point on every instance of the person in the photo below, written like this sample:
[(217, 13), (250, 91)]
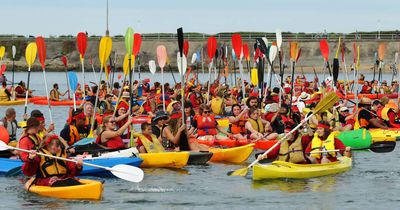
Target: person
[(389, 114), (110, 138), (207, 126), (49, 171), (274, 117), (55, 94), (115, 90), (79, 92), (301, 101), (292, 149), (89, 112), (172, 133), (238, 121), (5, 95), (105, 105), (252, 102), (147, 142), (158, 123), (346, 119), (258, 128), (325, 140), (10, 123), (20, 90), (218, 104), (195, 97), (42, 129), (365, 117), (30, 139), (174, 106), (76, 129), (121, 117)]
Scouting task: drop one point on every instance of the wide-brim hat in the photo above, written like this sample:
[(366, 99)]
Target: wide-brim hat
[(125, 95), (366, 101), (159, 115), (305, 96)]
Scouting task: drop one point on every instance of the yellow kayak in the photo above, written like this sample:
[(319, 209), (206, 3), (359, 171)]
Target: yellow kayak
[(10, 103), (164, 159), (379, 135), (232, 155), (90, 190), (280, 169)]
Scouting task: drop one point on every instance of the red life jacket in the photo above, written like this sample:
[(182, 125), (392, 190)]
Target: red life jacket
[(113, 143), (206, 125)]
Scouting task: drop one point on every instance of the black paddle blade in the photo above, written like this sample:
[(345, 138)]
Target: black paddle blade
[(383, 147), (262, 46), (335, 70), (216, 56), (180, 40)]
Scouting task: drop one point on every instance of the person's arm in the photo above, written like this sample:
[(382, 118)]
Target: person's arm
[(233, 119), (7, 92), (111, 134), (174, 139), (250, 128), (63, 94), (222, 130), (121, 117), (377, 123)]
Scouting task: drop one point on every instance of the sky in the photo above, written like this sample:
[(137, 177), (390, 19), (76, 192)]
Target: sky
[(68, 17)]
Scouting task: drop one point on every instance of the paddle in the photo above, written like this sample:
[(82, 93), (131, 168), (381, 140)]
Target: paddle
[(14, 51), (126, 172), (377, 147), (278, 35), (211, 47), (294, 50), (182, 64), (81, 40), (65, 62), (345, 67), (73, 83), (162, 59), (328, 101), (152, 67), (41, 46), (381, 56), (137, 42), (324, 48), (335, 64), (129, 48), (30, 56)]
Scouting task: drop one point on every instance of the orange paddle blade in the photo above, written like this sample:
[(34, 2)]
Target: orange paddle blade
[(41, 47), (381, 51), (294, 49)]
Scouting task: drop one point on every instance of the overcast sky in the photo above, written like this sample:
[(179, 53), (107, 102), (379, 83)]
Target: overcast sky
[(57, 17)]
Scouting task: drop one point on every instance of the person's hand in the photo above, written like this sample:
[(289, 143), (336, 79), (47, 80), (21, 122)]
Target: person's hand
[(130, 119), (348, 149), (246, 109), (182, 128), (25, 116), (51, 128), (79, 162), (32, 154), (71, 150), (260, 157)]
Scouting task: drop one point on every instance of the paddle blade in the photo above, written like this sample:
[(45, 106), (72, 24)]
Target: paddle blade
[(278, 38), (237, 44), (14, 51), (125, 66), (358, 58), (152, 66), (273, 50), (180, 39), (383, 147), (239, 172), (81, 41), (298, 54), (2, 52), (182, 63), (41, 47), (324, 48), (211, 47), (246, 51), (30, 53), (3, 69), (355, 53), (128, 173), (186, 47), (254, 76), (338, 48), (262, 45), (65, 61), (105, 50), (327, 102), (161, 56), (137, 43), (335, 70), (129, 40), (73, 80), (294, 49), (3, 145), (381, 51), (194, 58)]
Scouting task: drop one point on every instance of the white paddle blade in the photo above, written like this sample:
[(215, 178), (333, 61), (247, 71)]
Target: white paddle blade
[(265, 41), (396, 56), (3, 146), (194, 58), (272, 53), (182, 63), (14, 51), (152, 66), (279, 38), (128, 173), (233, 54)]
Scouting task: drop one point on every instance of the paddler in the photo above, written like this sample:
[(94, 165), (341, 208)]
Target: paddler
[(389, 114), (257, 128), (30, 139), (158, 123), (105, 105), (324, 140), (42, 129), (10, 123), (55, 94), (89, 112), (218, 104), (147, 142), (273, 116), (171, 134), (52, 172), (20, 90), (109, 137), (76, 129), (4, 93), (346, 119), (365, 118), (238, 121)]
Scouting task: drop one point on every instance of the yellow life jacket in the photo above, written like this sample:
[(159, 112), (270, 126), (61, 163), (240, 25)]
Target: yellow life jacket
[(73, 135), (51, 167), (217, 105), (54, 95), (329, 144), (3, 94), (384, 113), (293, 153), (151, 147), (256, 125)]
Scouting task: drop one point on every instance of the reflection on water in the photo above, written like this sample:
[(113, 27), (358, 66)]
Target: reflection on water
[(322, 184), (163, 171)]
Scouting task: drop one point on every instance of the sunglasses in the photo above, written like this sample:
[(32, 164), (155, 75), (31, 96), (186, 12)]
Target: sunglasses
[(206, 112), (112, 121), (164, 118)]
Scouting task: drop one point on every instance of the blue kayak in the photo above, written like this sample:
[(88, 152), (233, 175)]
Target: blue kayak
[(10, 167)]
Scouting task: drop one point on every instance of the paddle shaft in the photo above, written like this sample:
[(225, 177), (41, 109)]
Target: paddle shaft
[(96, 102), (162, 87), (292, 88), (27, 90), (47, 95), (182, 91), (83, 78), (66, 76)]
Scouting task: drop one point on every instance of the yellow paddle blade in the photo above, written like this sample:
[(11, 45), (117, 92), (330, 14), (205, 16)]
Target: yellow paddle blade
[(338, 48), (125, 67), (358, 58), (2, 51), (22, 124), (30, 53), (90, 134), (327, 102), (381, 51), (239, 172), (254, 76), (294, 49), (104, 50)]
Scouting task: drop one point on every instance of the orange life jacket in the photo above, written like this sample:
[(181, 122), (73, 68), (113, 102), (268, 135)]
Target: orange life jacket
[(239, 126)]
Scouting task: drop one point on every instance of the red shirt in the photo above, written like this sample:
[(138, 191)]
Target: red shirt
[(193, 100), (139, 142), (392, 118), (338, 145)]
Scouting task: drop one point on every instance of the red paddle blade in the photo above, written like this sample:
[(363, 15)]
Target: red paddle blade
[(381, 51), (237, 45), (81, 40), (65, 60), (41, 47), (324, 47), (298, 54), (186, 47), (257, 54), (3, 69), (211, 47), (246, 51), (354, 52), (343, 50), (137, 42)]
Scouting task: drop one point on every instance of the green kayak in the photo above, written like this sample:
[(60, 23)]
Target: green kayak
[(360, 138)]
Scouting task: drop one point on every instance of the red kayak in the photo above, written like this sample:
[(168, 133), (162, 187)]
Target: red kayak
[(58, 103)]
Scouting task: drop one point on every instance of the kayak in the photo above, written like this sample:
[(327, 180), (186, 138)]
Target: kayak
[(164, 159), (199, 158), (9, 103), (261, 144), (390, 134), (232, 155), (58, 103), (371, 96), (34, 98), (363, 138), (89, 190), (280, 169)]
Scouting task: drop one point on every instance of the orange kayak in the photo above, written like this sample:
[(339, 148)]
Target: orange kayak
[(371, 96), (57, 103), (261, 144)]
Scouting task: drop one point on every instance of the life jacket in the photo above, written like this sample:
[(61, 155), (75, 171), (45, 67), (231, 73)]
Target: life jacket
[(14, 123), (206, 125), (217, 106), (112, 143), (384, 113), (328, 144), (35, 139), (292, 153), (153, 146), (51, 167), (3, 94), (239, 126), (73, 135), (256, 125), (55, 94), (360, 123)]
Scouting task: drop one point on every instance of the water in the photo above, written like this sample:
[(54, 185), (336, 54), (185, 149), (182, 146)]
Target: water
[(374, 181)]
